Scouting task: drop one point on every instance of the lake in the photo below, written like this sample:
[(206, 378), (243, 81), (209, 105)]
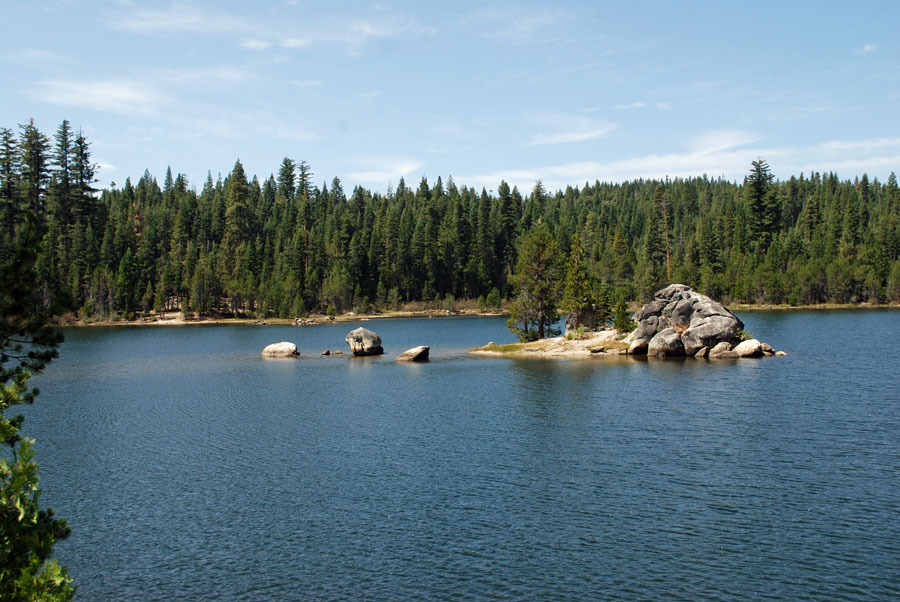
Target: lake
[(189, 468)]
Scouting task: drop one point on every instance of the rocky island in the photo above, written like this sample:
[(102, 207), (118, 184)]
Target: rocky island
[(678, 322)]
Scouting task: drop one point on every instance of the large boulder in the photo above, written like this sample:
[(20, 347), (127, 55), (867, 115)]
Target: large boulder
[(695, 320), (416, 354), (665, 343), (363, 341), (283, 349)]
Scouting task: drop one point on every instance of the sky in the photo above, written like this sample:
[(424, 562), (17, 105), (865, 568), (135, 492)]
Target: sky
[(562, 92)]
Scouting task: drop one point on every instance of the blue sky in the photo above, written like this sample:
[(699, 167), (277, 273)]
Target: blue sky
[(565, 92)]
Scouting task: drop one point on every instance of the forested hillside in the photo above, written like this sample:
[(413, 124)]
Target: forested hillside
[(284, 246)]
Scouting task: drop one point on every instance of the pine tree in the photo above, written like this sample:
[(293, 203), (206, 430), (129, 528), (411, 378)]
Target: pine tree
[(537, 282), (27, 532), (578, 297), (762, 203)]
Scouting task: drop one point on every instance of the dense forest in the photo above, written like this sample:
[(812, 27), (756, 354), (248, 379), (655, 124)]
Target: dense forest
[(285, 247)]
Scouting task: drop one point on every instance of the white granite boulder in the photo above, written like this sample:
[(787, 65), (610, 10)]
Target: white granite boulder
[(416, 354), (283, 349), (363, 341)]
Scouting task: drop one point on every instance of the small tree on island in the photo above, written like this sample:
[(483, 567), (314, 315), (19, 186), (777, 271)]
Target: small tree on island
[(623, 321), (536, 284), (578, 299)]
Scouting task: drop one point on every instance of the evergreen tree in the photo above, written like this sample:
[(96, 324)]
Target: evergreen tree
[(761, 202), (27, 532), (578, 297), (537, 282)]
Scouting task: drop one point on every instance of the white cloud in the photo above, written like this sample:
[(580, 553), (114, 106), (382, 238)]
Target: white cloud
[(718, 140), (116, 96), (179, 19), (869, 48), (517, 25), (662, 106), (294, 42), (369, 95), (224, 74), (305, 83), (634, 105), (378, 171), (255, 44), (559, 128), (873, 143), (361, 33), (716, 154), (29, 56)]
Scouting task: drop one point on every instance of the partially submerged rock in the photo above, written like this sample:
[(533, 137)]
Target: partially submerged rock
[(363, 341), (749, 348), (416, 354), (283, 349)]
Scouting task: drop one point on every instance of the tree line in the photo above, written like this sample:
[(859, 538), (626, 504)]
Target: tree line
[(284, 246)]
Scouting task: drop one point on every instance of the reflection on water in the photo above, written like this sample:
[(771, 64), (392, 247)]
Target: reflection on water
[(190, 468)]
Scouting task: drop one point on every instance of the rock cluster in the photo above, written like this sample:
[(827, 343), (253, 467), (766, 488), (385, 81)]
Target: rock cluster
[(283, 349), (682, 322), (363, 341)]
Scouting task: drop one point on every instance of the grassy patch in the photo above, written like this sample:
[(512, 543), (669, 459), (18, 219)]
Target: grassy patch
[(508, 348)]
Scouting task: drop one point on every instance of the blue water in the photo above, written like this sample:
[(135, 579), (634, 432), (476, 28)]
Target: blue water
[(189, 468)]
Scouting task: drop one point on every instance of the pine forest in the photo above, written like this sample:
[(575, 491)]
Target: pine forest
[(283, 246)]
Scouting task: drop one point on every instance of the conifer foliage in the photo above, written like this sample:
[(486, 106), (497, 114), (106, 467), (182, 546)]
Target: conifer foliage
[(282, 246)]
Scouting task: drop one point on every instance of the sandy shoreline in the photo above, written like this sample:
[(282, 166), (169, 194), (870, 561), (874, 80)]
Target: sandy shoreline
[(175, 318)]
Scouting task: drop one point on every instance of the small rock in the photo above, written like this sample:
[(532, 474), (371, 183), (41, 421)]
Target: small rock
[(702, 352), (722, 349), (599, 349), (766, 348), (326, 352), (749, 348), (283, 349), (780, 354), (416, 354)]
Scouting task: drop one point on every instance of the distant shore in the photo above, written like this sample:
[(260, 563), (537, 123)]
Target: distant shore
[(176, 318)]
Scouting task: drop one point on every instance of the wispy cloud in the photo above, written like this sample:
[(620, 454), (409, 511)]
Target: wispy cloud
[(369, 95), (517, 25), (633, 105), (224, 74), (870, 144), (378, 171), (179, 19), (305, 83), (559, 128), (294, 42), (868, 48), (30, 56), (716, 154), (718, 140), (113, 95), (363, 32), (663, 106), (255, 44)]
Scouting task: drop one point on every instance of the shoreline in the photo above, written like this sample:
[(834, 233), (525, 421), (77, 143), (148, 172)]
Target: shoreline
[(175, 318)]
